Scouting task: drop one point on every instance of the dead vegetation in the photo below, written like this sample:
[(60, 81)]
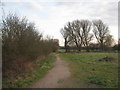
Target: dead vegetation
[(107, 59)]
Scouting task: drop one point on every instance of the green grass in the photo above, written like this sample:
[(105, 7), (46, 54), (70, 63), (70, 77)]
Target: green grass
[(31, 77), (86, 69)]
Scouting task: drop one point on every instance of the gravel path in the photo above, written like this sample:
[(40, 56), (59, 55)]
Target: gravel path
[(55, 77)]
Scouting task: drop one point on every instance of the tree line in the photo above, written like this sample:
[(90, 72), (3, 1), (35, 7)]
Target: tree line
[(81, 33), (21, 43)]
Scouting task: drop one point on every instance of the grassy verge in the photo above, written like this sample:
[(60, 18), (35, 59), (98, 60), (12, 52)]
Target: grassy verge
[(86, 69), (25, 80)]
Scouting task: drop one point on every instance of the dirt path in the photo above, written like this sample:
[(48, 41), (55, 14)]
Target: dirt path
[(56, 77)]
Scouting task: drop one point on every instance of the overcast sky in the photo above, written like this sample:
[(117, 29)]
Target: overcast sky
[(50, 16)]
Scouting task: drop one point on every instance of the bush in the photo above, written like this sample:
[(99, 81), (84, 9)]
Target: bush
[(21, 43)]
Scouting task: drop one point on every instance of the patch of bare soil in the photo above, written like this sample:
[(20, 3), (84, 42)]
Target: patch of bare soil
[(108, 59), (56, 77)]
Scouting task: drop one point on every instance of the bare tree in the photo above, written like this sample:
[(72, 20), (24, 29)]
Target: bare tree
[(86, 36), (72, 28), (100, 31), (66, 37), (79, 33)]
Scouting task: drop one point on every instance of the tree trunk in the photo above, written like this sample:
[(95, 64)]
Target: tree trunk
[(66, 49)]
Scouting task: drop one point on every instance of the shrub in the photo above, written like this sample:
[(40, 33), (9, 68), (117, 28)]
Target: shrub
[(21, 43)]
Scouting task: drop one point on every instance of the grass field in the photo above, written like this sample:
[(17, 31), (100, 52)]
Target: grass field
[(88, 71), (25, 80)]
